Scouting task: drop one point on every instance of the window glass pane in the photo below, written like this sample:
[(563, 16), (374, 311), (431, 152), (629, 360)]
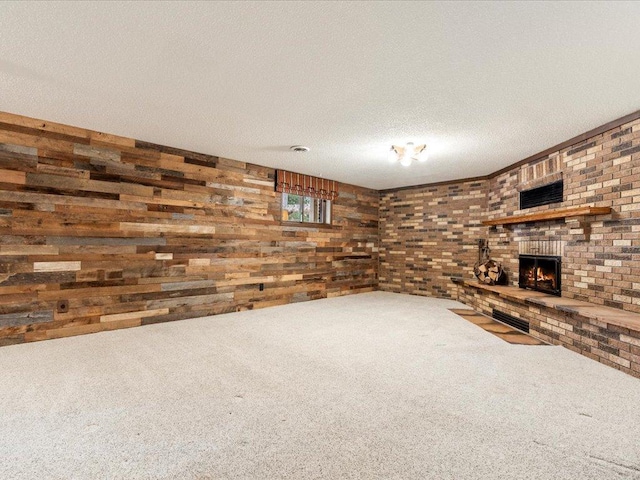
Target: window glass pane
[(291, 210), (283, 207), (307, 209), (316, 216)]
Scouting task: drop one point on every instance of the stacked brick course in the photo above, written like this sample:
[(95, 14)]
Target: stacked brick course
[(428, 235)]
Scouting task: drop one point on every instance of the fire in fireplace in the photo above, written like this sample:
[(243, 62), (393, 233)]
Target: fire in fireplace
[(541, 273)]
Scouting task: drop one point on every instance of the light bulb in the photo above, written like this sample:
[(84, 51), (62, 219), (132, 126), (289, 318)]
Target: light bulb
[(405, 160), (409, 150), (421, 153), (393, 155)]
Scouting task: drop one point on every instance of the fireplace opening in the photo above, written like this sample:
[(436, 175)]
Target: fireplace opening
[(541, 273)]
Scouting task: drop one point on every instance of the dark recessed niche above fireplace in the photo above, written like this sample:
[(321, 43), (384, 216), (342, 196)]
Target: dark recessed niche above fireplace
[(541, 273), (544, 195)]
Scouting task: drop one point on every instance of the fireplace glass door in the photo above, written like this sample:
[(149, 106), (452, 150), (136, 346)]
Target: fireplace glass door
[(541, 273)]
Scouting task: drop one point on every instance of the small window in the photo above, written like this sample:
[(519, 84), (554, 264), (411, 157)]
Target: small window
[(298, 208)]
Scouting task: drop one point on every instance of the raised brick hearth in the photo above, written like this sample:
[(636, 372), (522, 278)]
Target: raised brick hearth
[(606, 334)]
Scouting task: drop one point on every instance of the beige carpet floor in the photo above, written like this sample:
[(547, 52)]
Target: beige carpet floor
[(370, 386)]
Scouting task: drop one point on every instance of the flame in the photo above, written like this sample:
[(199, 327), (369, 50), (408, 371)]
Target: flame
[(540, 276)]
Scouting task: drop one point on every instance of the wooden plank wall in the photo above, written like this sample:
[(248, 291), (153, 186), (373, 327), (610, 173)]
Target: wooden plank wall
[(99, 232)]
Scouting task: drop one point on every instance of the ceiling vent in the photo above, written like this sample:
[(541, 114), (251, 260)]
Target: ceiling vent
[(299, 148)]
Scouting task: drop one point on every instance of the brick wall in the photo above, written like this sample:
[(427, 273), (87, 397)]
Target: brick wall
[(428, 235), (601, 259), (100, 232)]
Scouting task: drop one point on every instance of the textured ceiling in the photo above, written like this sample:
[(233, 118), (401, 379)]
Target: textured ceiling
[(484, 84)]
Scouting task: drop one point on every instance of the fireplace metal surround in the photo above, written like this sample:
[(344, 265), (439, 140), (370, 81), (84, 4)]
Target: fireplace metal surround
[(541, 273)]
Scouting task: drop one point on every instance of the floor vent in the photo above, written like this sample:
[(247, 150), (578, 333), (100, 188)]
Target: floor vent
[(515, 322)]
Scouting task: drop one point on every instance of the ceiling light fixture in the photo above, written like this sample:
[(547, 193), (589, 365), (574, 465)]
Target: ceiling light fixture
[(405, 155)]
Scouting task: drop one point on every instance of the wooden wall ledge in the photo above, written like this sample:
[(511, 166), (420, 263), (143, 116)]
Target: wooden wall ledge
[(549, 215), (308, 225), (608, 315)]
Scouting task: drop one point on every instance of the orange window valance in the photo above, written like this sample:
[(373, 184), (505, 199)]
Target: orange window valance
[(299, 184)]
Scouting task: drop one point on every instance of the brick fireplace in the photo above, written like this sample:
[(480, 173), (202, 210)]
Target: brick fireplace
[(429, 241), (540, 273), (540, 266)]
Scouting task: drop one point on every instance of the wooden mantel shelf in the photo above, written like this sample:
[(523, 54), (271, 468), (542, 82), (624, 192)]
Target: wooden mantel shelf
[(549, 215)]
